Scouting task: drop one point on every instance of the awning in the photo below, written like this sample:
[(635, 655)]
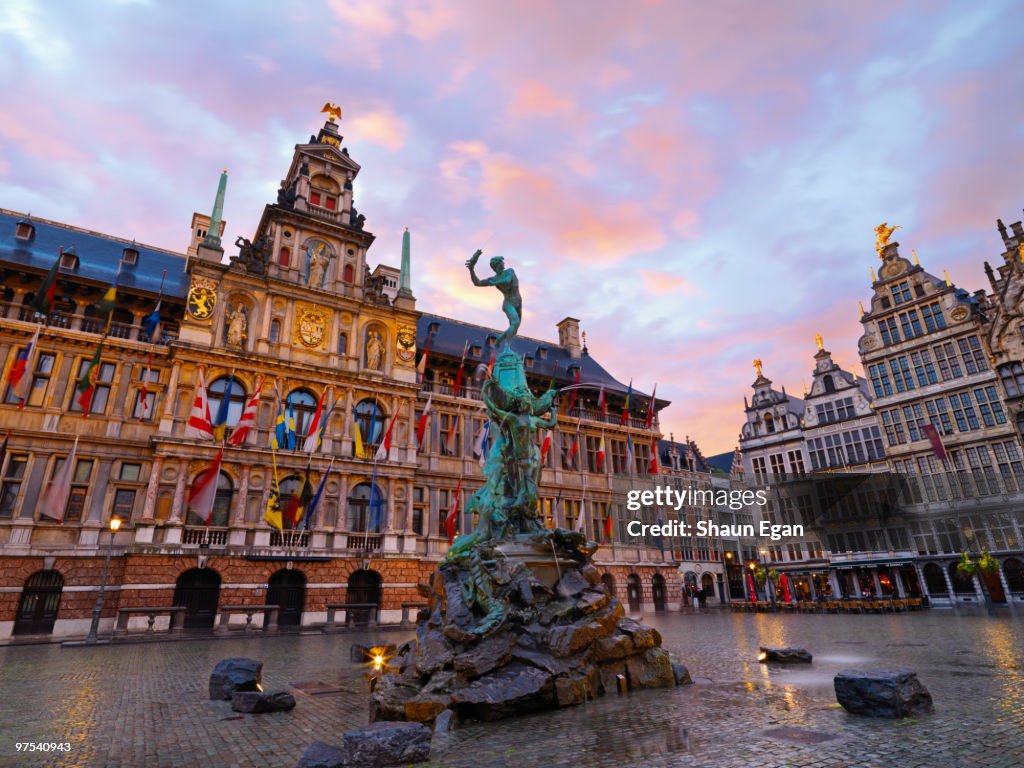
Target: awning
[(869, 563)]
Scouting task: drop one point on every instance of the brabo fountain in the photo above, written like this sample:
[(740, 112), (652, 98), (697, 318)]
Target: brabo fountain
[(518, 617)]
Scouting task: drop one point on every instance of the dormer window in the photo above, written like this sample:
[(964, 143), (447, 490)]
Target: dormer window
[(69, 259), (542, 353), (529, 362), (130, 257), (24, 230), (491, 340), (433, 328), (475, 350)]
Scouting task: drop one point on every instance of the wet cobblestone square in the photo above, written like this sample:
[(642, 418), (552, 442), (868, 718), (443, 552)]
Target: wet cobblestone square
[(146, 704)]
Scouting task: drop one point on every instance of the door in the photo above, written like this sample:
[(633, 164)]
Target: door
[(198, 590), (363, 589), (658, 592), (40, 599), (633, 592), (287, 589)]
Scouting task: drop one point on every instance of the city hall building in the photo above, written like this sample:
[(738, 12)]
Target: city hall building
[(297, 326)]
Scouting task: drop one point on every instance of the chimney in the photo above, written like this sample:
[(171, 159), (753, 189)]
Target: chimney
[(569, 337)]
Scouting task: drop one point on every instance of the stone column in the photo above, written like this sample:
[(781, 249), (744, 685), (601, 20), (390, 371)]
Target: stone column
[(949, 583), (877, 583), (856, 583), (178, 511), (61, 382), (1006, 585), (389, 524), (170, 395), (408, 507), (242, 494), (122, 390), (340, 522), (901, 590), (921, 581), (152, 489)]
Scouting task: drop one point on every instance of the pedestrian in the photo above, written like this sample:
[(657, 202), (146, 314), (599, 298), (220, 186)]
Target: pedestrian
[(695, 599), (702, 596)]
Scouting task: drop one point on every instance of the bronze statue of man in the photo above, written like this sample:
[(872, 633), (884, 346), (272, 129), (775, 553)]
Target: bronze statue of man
[(504, 280)]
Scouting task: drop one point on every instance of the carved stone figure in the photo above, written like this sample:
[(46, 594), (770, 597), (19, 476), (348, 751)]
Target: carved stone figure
[(504, 280), (253, 256), (236, 327), (318, 260), (374, 351)]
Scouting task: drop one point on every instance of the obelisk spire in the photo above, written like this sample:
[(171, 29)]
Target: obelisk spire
[(405, 281), (212, 239)]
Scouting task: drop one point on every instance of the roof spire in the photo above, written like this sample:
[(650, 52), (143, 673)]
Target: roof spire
[(405, 279), (212, 239)]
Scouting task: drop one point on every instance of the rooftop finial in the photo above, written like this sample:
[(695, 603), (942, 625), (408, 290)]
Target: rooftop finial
[(333, 111), (882, 234), (819, 341), (873, 278), (860, 304), (914, 253), (212, 239), (945, 274), (757, 365), (405, 278)]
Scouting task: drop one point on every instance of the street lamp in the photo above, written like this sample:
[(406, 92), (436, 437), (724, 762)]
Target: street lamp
[(767, 581), (115, 524)]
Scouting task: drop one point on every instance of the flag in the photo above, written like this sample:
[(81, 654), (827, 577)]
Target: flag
[(421, 367), (199, 426), (421, 427), (600, 454), (482, 439), (360, 451), (19, 378), (57, 492), (385, 444), (608, 528), (629, 455), (248, 419), (144, 393), (292, 438), (298, 505), (625, 407), (932, 433), (453, 514), (453, 431), (490, 365), (46, 295), (151, 324), (316, 498), (581, 517), (273, 512), (107, 305), (574, 450), (572, 395), (279, 438), (203, 492), (545, 445), (602, 404), (659, 540), (462, 366), (315, 427), (86, 385), (375, 500), (753, 589), (650, 410), (220, 424), (652, 467)]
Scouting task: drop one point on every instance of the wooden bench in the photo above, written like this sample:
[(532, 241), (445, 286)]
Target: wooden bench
[(270, 611), (177, 617), (405, 612), (333, 608)]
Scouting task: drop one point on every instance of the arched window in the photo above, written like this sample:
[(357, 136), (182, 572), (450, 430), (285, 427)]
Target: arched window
[(221, 502), (285, 256), (236, 400), (363, 589), (658, 592), (275, 330), (1014, 572), (370, 418), (349, 273), (304, 404), (40, 600), (962, 585), (291, 489), (633, 592), (934, 580), (324, 192), (342, 343), (769, 423), (366, 509), (197, 590)]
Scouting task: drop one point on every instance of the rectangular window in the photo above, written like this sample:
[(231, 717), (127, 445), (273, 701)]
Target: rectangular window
[(796, 462), (330, 203), (900, 293), (314, 198), (938, 413), (880, 380), (924, 369), (973, 355), (124, 503), (451, 443), (778, 465), (101, 393), (844, 409), (826, 413), (915, 421), (419, 509), (40, 381), (10, 484), (949, 364), (933, 318), (1012, 376), (989, 406), (760, 473), (910, 323), (130, 472), (887, 328), (892, 421), (79, 488), (901, 373)]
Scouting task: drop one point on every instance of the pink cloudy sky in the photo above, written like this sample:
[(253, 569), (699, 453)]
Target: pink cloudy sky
[(697, 182)]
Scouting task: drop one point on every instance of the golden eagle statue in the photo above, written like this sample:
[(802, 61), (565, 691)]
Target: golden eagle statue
[(333, 110)]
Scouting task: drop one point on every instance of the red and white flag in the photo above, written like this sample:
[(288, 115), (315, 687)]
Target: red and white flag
[(602, 404), (55, 499), (650, 409), (462, 367), (204, 489), (453, 432), (545, 445), (421, 367), (313, 435), (385, 444), (572, 395), (247, 420), (199, 424), (453, 514), (600, 454), (574, 450), (421, 427), (20, 376), (652, 468), (147, 407)]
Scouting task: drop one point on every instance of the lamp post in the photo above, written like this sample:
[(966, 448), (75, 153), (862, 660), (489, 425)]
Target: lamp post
[(115, 524), (767, 580)]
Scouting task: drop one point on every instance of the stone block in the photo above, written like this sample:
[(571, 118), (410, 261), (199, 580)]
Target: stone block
[(387, 743), (893, 693), (784, 656), (571, 690), (512, 690), (256, 702), (652, 669), (236, 674), (682, 674), (319, 754), (425, 707), (486, 655), (571, 584)]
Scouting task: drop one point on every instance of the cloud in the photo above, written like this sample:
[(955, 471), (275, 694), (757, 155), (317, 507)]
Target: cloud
[(380, 126)]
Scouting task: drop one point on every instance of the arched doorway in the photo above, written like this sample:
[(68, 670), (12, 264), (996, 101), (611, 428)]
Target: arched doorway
[(1013, 570), (633, 592), (363, 589), (609, 584), (198, 591), (287, 589), (40, 599), (366, 508), (962, 585), (934, 581), (658, 592), (707, 583)]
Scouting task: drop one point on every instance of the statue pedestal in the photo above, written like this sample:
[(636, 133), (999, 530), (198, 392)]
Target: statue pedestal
[(545, 564)]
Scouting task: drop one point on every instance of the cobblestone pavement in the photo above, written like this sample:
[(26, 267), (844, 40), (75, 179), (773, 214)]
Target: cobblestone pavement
[(146, 705)]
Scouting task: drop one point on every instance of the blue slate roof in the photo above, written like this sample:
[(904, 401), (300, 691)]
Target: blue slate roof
[(451, 335), (721, 461), (98, 255)]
